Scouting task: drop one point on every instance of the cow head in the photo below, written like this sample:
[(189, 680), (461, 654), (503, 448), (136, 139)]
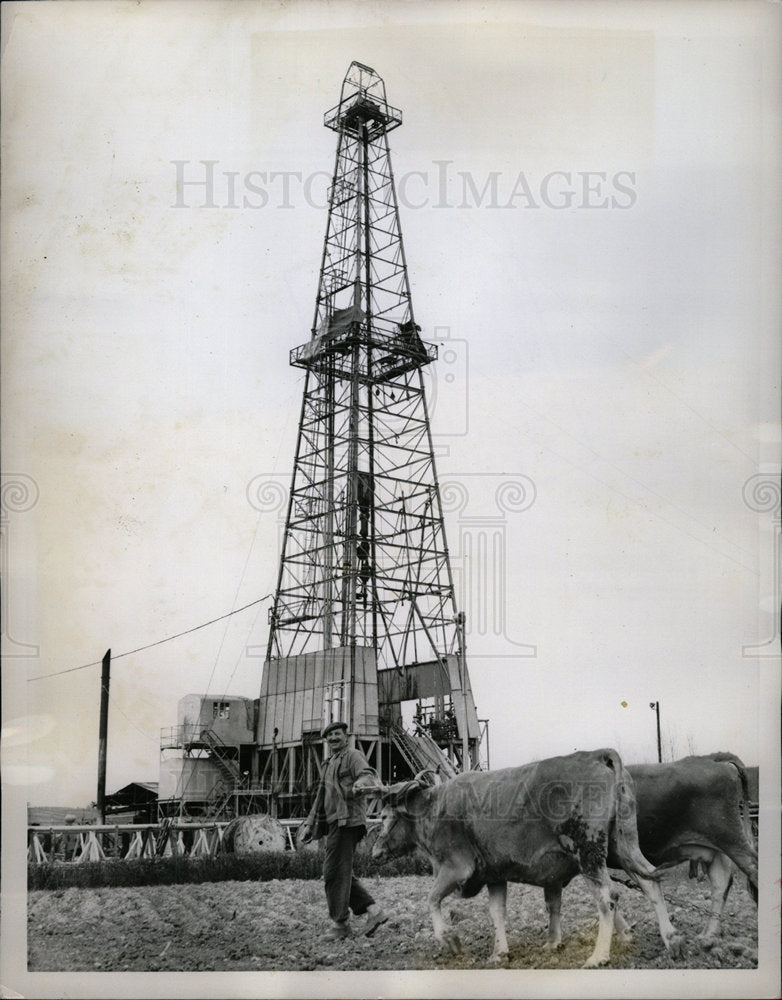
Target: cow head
[(402, 803)]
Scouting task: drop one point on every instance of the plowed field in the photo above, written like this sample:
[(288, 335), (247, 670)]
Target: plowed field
[(279, 925)]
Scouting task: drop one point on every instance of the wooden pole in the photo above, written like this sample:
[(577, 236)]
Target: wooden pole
[(103, 734), (656, 706)]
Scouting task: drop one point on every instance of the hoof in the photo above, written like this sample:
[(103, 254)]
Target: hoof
[(594, 963), (675, 946), (554, 945), (707, 941), (498, 958), (452, 943)]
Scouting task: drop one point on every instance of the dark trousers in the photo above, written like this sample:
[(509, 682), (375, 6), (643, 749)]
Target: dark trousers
[(343, 891)]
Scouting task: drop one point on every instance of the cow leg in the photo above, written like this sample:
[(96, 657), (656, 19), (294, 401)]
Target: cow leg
[(446, 880), (621, 926), (671, 939), (498, 892), (696, 869), (720, 873), (553, 895), (600, 888), (747, 862)]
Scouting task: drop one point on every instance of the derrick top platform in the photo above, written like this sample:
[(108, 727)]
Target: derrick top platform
[(362, 104), (395, 352)]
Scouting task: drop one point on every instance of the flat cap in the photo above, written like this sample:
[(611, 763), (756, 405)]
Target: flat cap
[(332, 726)]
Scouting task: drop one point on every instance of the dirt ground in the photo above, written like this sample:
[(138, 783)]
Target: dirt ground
[(278, 925)]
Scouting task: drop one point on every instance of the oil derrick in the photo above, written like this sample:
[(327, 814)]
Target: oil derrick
[(364, 617)]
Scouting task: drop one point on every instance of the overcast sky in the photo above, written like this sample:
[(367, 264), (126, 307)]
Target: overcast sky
[(588, 202)]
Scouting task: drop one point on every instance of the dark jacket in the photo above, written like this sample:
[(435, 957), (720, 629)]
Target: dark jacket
[(335, 801), (343, 771)]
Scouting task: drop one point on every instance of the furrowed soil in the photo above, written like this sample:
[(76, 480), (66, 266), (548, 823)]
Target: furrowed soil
[(279, 925)]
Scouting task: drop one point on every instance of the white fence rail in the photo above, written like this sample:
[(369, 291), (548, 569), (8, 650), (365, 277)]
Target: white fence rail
[(78, 844)]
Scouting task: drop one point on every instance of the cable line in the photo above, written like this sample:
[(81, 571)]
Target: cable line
[(159, 642)]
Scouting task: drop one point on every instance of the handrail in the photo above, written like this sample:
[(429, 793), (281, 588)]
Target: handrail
[(230, 764)]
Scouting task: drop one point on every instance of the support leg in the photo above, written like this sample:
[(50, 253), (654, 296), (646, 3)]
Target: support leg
[(747, 861), (498, 893), (671, 939), (446, 880), (720, 872), (621, 926), (600, 888), (553, 895)]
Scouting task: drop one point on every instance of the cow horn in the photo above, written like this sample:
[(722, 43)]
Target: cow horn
[(391, 794), (426, 778)]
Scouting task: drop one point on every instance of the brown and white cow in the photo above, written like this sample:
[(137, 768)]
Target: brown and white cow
[(695, 809), (541, 824)]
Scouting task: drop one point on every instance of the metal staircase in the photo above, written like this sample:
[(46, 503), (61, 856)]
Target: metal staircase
[(421, 753), (219, 803), (226, 763)]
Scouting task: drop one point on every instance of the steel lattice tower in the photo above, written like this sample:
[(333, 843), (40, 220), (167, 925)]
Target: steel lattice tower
[(364, 614)]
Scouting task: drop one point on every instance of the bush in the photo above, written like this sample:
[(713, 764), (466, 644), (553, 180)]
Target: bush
[(223, 868)]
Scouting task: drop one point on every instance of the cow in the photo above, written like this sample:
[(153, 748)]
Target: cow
[(540, 824), (695, 809)]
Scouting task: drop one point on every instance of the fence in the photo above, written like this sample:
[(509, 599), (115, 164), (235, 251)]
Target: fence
[(75, 844), (190, 839)]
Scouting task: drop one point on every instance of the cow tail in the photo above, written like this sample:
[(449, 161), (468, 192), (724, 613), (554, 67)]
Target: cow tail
[(738, 763), (746, 820), (626, 825)]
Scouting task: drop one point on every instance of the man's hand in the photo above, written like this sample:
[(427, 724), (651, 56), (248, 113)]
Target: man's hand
[(304, 834), (367, 785)]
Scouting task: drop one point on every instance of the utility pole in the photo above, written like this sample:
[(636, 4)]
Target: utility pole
[(655, 705), (103, 730)]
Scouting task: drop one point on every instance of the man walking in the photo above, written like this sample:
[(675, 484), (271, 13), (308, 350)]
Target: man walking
[(340, 805)]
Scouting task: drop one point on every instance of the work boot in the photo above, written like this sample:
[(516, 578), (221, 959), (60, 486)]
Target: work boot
[(338, 931), (375, 917)]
